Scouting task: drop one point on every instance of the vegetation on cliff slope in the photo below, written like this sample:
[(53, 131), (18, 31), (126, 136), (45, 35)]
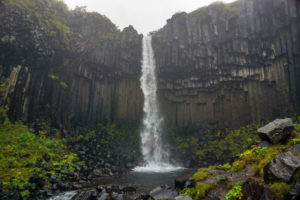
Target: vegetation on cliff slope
[(23, 153), (51, 33), (220, 144), (249, 164)]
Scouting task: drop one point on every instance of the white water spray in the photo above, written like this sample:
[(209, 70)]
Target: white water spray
[(155, 156)]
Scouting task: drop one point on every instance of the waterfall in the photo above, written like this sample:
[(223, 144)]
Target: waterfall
[(155, 156)]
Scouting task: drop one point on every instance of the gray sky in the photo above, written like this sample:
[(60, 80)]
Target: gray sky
[(144, 15)]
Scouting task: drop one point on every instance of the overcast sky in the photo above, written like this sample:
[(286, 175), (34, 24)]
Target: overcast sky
[(144, 15)]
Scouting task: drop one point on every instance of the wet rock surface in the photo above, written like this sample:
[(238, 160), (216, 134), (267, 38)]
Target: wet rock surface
[(282, 168), (10, 196), (225, 65), (83, 82), (163, 192), (295, 149), (184, 181), (251, 189), (183, 197), (276, 131), (295, 191), (118, 192)]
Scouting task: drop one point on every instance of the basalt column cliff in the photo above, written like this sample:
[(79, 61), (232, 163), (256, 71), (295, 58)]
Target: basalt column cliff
[(220, 66), (72, 67), (229, 65)]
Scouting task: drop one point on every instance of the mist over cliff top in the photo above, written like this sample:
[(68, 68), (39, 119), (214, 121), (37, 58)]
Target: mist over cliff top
[(144, 15)]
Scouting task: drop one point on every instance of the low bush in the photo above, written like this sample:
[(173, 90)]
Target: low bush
[(235, 193)]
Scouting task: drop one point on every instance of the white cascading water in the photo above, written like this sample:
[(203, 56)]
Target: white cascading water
[(155, 156)]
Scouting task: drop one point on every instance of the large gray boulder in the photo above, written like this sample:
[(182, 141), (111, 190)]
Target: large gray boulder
[(276, 131), (163, 192), (282, 168)]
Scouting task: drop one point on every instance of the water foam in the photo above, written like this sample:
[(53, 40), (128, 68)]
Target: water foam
[(157, 168)]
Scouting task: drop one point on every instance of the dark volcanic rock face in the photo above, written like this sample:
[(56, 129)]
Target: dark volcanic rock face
[(229, 65), (73, 67), (219, 66)]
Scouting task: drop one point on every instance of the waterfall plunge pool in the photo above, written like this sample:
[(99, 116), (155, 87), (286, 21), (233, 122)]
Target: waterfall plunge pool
[(145, 181)]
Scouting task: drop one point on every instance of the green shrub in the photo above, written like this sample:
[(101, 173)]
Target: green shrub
[(226, 166), (235, 193)]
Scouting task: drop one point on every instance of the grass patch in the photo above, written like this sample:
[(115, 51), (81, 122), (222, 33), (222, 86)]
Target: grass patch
[(200, 191), (200, 175), (20, 149)]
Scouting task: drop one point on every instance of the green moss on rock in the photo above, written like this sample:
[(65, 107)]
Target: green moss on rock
[(20, 149)]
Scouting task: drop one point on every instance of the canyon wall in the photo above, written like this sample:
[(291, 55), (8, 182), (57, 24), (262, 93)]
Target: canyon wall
[(220, 66), (228, 65), (72, 68)]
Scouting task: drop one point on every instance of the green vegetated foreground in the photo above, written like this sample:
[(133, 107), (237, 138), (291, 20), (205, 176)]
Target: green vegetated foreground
[(249, 164), (21, 150)]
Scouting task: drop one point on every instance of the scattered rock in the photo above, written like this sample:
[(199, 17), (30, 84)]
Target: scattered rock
[(116, 196), (54, 186), (282, 168), (163, 192), (49, 193), (265, 144), (183, 197), (35, 178), (97, 172), (63, 186), (277, 131), (53, 178), (86, 195), (213, 198), (33, 187), (294, 194), (46, 157), (253, 190), (184, 181), (103, 196), (129, 189), (295, 149), (10, 196)]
